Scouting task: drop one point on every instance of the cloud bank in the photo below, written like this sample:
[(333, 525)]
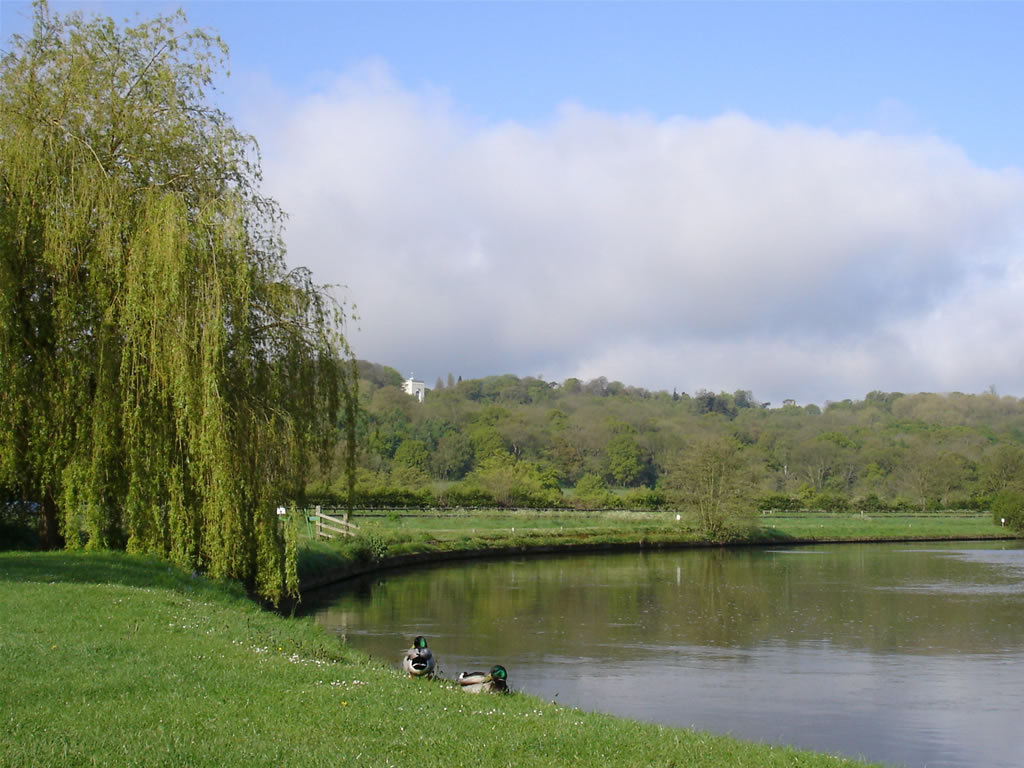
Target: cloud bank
[(794, 261)]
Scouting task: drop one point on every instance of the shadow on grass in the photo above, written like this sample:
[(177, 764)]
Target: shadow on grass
[(320, 558), (769, 536), (106, 567)]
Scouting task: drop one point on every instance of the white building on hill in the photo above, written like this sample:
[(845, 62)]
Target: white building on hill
[(415, 388)]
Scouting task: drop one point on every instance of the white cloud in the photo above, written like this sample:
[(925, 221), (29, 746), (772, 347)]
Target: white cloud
[(724, 253)]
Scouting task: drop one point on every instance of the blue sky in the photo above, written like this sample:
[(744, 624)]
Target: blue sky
[(808, 200)]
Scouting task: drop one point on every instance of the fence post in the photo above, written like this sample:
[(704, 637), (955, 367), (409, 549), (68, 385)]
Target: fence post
[(319, 530)]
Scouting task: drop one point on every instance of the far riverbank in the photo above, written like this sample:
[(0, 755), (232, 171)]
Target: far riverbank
[(408, 538)]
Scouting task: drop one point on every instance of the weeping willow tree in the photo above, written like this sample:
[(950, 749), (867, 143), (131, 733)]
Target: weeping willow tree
[(165, 381)]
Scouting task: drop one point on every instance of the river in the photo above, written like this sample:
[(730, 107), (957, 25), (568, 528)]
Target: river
[(906, 654)]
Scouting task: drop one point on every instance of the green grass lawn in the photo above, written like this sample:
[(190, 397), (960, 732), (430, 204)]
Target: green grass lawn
[(111, 659), (440, 526), (408, 530), (430, 532), (885, 526)]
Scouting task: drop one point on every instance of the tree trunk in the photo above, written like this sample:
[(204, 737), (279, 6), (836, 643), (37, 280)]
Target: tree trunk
[(49, 527)]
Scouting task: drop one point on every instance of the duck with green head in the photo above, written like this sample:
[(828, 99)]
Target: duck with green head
[(418, 660), (477, 682)]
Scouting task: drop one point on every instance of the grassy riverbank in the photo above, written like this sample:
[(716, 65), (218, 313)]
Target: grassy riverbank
[(882, 527), (111, 659), (401, 536)]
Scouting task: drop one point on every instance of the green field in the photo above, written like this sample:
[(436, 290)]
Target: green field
[(112, 659), (448, 525), (424, 533), (883, 526)]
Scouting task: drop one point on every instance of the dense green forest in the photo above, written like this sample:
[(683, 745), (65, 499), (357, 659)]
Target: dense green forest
[(507, 440)]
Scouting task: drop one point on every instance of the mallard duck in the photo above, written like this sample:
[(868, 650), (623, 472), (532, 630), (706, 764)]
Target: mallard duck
[(419, 661), (477, 682)]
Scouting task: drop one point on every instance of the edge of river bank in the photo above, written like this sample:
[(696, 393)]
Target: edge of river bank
[(340, 570)]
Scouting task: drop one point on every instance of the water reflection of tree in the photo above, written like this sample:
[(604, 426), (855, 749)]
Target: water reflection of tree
[(612, 606)]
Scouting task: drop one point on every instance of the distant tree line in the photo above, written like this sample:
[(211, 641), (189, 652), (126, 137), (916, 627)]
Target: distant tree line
[(506, 440)]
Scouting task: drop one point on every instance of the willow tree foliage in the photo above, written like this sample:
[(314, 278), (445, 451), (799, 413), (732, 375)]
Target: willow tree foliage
[(165, 381)]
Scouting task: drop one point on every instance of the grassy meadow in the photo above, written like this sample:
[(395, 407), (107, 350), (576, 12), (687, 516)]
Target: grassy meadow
[(884, 526), (427, 533), (113, 659), (433, 526)]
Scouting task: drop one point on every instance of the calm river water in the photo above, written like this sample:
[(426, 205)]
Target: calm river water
[(907, 654)]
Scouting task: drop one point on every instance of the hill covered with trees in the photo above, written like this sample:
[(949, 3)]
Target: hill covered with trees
[(506, 440)]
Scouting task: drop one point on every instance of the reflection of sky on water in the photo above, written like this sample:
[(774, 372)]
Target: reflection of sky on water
[(938, 710), (849, 650), (953, 588), (1005, 577), (1008, 560)]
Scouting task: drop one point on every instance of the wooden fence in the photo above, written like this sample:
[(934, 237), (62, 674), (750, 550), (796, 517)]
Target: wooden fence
[(328, 526)]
